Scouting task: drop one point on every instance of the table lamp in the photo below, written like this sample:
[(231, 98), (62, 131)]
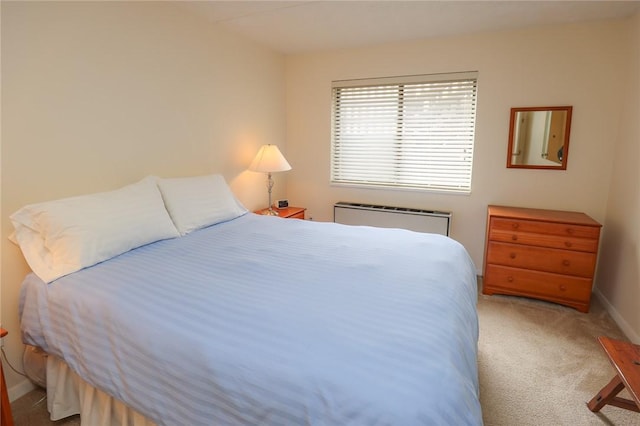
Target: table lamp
[(269, 160)]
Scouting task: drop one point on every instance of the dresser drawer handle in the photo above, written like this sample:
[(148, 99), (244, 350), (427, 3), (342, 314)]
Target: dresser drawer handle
[(515, 225), (568, 243), (570, 231), (512, 255), (514, 237), (563, 287), (566, 262), (510, 278)]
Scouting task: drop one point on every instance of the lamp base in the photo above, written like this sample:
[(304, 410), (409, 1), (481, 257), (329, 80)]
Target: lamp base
[(270, 212)]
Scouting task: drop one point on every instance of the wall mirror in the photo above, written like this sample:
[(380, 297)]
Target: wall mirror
[(539, 137)]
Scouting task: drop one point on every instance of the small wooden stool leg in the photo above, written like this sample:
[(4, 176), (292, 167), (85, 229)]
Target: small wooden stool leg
[(625, 358), (606, 394)]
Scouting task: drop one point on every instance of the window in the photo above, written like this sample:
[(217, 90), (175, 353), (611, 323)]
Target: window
[(406, 132)]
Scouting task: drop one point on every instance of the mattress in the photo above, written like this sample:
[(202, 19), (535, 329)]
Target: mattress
[(261, 320)]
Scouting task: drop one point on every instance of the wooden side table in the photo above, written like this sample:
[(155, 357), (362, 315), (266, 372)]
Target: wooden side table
[(6, 418), (625, 358), (287, 212)]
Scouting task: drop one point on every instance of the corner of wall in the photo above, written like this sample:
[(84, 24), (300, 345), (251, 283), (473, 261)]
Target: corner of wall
[(20, 389), (619, 319)]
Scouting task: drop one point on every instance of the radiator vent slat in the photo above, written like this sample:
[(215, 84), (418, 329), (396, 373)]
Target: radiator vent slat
[(392, 217)]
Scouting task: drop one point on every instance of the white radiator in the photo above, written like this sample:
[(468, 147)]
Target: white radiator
[(392, 217)]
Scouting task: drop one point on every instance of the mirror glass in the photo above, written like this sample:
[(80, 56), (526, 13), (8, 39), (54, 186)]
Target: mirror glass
[(539, 137)]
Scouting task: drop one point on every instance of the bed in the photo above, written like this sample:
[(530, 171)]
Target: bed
[(261, 320)]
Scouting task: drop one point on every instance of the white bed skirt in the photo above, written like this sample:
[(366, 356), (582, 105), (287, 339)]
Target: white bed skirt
[(68, 394)]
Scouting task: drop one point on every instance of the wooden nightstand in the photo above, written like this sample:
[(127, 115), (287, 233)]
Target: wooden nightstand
[(6, 419), (287, 212)]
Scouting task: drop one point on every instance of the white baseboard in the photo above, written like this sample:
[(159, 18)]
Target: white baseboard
[(624, 325), (21, 389)]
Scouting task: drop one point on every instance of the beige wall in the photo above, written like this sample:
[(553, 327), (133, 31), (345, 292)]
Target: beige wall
[(618, 279), (579, 65), (98, 95)]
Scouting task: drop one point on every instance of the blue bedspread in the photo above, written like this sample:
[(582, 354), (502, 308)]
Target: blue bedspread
[(265, 321)]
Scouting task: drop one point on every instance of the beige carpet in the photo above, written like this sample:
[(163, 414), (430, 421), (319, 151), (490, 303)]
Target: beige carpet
[(539, 364)]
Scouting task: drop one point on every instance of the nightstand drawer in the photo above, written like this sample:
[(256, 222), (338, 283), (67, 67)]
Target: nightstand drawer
[(542, 259), (299, 215)]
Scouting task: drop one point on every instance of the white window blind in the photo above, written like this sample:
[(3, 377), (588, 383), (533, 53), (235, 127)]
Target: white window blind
[(407, 132)]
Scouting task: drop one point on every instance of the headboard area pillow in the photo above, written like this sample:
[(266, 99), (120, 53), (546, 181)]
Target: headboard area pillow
[(197, 202), (63, 236)]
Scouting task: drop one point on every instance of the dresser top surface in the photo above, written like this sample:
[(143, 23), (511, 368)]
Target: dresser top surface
[(559, 216)]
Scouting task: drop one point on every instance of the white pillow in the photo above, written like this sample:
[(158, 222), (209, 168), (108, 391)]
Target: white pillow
[(196, 202), (63, 236)]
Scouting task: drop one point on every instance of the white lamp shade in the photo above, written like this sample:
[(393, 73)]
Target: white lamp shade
[(269, 159)]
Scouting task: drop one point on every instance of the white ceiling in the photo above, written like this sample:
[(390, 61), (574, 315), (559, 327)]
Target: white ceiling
[(294, 27)]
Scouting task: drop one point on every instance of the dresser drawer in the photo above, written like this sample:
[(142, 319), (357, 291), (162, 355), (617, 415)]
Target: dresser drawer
[(542, 259), (548, 228), (537, 284), (544, 240)]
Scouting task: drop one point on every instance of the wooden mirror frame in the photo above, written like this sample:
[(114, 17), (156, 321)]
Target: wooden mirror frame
[(565, 145)]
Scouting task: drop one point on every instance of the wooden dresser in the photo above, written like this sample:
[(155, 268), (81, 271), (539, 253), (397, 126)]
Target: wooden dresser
[(545, 254)]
